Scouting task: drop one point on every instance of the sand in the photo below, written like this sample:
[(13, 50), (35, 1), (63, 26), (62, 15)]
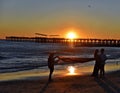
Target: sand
[(65, 84)]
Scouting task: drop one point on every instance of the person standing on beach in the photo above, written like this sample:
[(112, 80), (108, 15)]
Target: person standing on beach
[(103, 58), (51, 62), (97, 63)]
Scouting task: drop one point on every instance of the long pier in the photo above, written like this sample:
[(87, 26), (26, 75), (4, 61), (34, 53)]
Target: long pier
[(76, 42)]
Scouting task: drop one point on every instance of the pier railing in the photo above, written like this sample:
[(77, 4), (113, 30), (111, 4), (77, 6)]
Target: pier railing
[(76, 42)]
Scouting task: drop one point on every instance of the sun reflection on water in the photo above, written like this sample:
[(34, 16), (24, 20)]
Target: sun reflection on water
[(71, 70)]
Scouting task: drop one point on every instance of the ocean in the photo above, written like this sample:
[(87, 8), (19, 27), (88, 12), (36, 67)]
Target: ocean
[(25, 56)]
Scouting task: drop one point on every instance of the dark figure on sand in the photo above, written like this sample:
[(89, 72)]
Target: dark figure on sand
[(97, 63), (51, 62), (103, 58)]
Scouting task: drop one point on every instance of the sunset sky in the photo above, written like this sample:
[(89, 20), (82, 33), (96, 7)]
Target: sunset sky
[(87, 18)]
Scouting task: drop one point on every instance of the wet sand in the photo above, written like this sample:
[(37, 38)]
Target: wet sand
[(64, 84)]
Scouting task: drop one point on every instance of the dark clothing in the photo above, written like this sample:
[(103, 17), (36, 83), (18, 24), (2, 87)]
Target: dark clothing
[(102, 65), (51, 62), (96, 66), (50, 75), (99, 63), (96, 69), (51, 65), (102, 71)]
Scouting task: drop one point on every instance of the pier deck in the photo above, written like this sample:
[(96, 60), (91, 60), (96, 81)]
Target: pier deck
[(77, 42)]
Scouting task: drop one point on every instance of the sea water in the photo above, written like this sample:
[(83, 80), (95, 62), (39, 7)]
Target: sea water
[(32, 56)]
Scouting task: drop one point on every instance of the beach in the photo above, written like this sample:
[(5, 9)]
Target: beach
[(65, 84), (74, 41), (23, 69)]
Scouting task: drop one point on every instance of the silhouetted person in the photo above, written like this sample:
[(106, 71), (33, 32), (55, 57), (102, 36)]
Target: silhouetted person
[(51, 62), (97, 63), (103, 58)]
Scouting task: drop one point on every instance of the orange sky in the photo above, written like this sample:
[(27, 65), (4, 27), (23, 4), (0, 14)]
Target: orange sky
[(25, 18)]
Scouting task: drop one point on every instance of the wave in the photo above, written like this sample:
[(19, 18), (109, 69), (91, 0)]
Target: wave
[(1, 57), (19, 56)]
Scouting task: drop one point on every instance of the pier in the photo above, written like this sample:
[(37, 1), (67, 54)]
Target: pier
[(77, 42)]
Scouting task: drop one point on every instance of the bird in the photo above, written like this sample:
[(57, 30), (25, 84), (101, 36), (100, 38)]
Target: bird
[(89, 6)]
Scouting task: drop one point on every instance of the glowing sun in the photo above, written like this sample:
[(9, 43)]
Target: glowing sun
[(71, 70), (71, 35)]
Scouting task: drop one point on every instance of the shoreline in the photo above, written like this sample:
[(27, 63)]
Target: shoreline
[(59, 71), (65, 84)]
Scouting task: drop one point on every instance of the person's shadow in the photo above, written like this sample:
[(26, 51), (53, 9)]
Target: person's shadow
[(107, 85), (45, 87)]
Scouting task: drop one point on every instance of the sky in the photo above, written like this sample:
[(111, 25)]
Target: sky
[(87, 18)]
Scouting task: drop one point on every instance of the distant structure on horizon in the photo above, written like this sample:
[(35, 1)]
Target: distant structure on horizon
[(76, 42), (45, 35)]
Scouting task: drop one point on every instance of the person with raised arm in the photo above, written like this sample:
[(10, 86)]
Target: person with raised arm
[(51, 63)]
